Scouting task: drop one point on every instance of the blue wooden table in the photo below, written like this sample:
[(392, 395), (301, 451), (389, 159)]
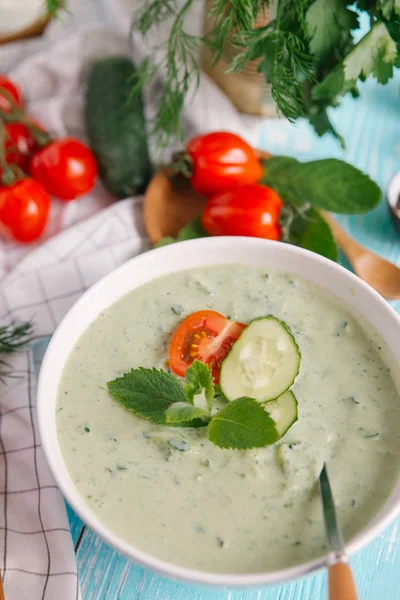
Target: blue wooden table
[(371, 127)]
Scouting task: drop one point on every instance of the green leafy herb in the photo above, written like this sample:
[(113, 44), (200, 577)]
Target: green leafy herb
[(329, 184), (13, 338), (182, 412), (375, 54), (242, 424), (191, 231), (54, 6), (148, 393), (199, 382), (309, 230)]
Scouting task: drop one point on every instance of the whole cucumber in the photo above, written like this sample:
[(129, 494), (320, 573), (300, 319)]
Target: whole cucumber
[(116, 127)]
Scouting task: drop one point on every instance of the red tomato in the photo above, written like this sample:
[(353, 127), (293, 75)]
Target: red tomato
[(66, 168), (20, 145), (12, 90), (249, 210), (205, 335), (24, 210), (222, 161)]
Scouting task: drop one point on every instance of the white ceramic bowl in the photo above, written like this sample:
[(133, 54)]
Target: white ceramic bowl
[(358, 297)]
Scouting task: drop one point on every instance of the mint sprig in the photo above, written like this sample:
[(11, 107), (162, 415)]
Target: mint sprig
[(162, 398), (199, 387), (148, 393), (243, 424), (329, 184), (183, 412)]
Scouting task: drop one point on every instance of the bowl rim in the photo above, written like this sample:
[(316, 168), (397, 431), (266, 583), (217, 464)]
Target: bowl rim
[(88, 516)]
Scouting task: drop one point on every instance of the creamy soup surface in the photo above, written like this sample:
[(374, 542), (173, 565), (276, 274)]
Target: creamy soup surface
[(231, 511)]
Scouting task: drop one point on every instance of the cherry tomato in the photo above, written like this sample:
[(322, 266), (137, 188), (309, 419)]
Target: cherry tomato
[(221, 161), (24, 210), (205, 335), (66, 168), (249, 210), (20, 145), (13, 90)]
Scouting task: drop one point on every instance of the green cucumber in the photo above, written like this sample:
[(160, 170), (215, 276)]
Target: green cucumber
[(263, 362), (283, 411), (116, 127)]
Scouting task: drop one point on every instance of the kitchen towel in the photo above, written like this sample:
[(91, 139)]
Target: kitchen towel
[(41, 283)]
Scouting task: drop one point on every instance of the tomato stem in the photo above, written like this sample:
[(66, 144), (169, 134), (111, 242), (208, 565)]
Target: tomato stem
[(182, 163), (8, 176), (42, 138)]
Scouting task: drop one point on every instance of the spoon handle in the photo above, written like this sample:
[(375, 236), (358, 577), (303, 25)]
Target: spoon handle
[(350, 247), (341, 582)]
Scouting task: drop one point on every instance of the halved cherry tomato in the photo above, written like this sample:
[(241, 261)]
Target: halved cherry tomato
[(20, 144), (221, 161), (10, 88), (205, 335), (24, 210), (66, 168), (249, 210)]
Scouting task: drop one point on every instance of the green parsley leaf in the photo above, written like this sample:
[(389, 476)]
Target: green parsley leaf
[(242, 424), (329, 24), (328, 184), (182, 412), (148, 393), (199, 383), (375, 53), (309, 230)]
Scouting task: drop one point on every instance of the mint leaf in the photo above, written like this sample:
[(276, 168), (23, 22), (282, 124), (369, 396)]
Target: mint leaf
[(309, 230), (199, 382), (165, 242), (191, 231), (329, 184), (242, 424), (182, 412), (148, 393)]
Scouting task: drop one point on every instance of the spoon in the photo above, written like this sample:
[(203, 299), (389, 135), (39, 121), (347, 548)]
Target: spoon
[(341, 583), (170, 203), (379, 273)]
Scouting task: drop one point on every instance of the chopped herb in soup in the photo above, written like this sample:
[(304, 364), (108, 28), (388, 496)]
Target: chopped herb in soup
[(178, 494)]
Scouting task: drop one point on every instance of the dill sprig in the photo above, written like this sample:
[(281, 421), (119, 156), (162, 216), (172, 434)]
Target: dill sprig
[(13, 338), (179, 65), (55, 6)]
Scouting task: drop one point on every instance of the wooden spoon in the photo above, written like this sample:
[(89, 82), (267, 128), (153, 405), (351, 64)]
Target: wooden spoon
[(170, 204)]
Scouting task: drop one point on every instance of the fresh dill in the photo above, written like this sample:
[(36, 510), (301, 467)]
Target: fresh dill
[(13, 338)]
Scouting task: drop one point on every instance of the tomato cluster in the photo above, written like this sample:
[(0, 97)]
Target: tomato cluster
[(223, 167), (33, 167)]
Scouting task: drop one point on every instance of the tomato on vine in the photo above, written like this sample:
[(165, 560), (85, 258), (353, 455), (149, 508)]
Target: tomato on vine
[(217, 162), (12, 95), (24, 210), (66, 168)]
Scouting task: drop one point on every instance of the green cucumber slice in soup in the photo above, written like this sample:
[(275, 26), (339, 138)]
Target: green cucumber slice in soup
[(263, 363), (283, 411)]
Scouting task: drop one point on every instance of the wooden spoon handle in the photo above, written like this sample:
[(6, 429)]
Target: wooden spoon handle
[(341, 582), (2, 597), (350, 247)]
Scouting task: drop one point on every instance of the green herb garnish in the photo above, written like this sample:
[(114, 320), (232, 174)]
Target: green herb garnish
[(13, 338), (243, 423), (199, 387)]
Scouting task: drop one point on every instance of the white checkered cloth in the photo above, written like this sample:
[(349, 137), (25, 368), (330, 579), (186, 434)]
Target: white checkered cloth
[(38, 561)]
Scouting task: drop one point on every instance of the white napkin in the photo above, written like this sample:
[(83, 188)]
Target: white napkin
[(38, 560)]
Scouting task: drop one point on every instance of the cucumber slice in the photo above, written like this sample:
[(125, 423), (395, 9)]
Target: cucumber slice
[(263, 363), (283, 411)]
